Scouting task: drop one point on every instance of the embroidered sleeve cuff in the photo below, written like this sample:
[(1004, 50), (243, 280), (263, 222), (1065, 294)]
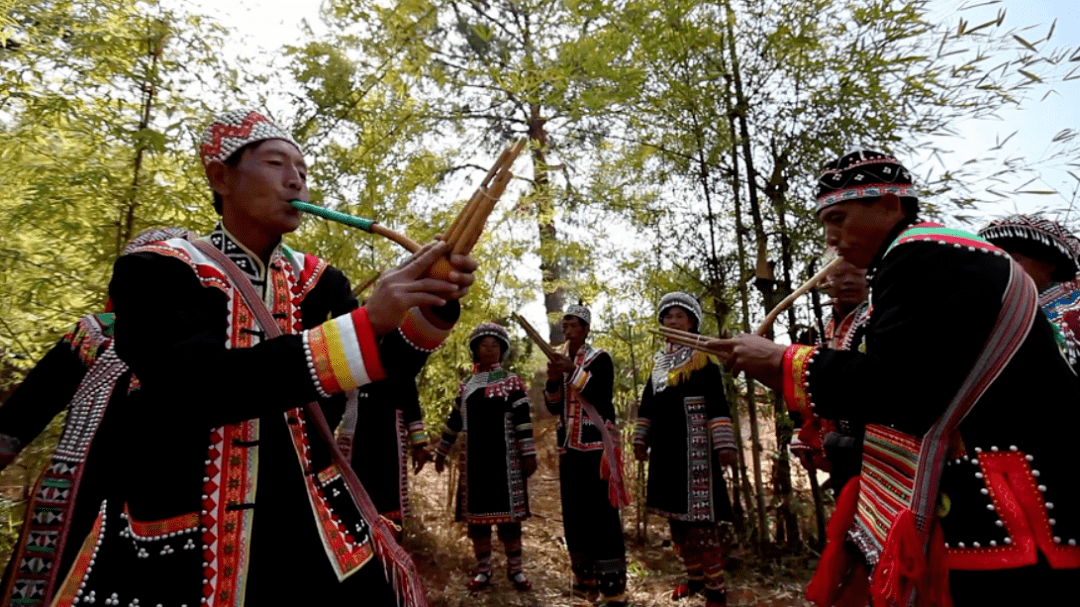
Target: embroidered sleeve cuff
[(527, 447), (580, 379), (449, 437), (723, 437), (641, 431), (553, 396), (797, 361), (342, 353), (417, 434), (421, 333)]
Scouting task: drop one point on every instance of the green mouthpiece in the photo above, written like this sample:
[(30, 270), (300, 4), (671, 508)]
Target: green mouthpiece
[(349, 220)]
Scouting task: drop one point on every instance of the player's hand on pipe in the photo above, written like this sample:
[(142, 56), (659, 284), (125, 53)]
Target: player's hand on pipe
[(759, 358), (403, 288)]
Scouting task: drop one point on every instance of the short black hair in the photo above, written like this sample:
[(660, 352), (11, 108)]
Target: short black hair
[(233, 161)]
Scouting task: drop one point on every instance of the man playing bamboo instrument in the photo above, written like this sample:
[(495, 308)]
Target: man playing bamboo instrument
[(835, 446), (232, 337), (1051, 256), (958, 489), (593, 529)]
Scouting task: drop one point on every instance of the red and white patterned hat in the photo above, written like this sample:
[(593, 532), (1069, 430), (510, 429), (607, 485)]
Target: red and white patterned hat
[(235, 129)]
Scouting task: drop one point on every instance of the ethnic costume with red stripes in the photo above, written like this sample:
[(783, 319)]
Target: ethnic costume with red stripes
[(685, 423), (1061, 304), (217, 435), (383, 424), (1048, 249), (591, 523), (83, 375), (492, 410), (954, 478)]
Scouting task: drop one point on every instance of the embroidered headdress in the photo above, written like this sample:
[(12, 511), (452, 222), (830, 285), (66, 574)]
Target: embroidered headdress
[(1051, 241), (863, 175), (485, 329), (684, 301), (235, 129), (580, 311)]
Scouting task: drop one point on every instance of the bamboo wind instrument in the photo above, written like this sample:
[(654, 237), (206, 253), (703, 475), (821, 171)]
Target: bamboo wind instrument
[(692, 340), (535, 336), (806, 286), (463, 233), (367, 225)]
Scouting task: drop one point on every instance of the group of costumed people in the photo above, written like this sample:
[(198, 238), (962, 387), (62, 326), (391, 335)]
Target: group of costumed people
[(229, 376)]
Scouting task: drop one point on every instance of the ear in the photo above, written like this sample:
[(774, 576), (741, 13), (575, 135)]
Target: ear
[(218, 176), (891, 204)]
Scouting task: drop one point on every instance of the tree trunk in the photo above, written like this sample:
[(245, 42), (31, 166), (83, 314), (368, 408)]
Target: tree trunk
[(126, 231), (550, 269), (761, 263)]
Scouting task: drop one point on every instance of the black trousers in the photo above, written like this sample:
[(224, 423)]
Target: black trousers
[(593, 529)]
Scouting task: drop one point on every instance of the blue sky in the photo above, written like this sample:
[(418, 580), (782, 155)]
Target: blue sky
[(1039, 120)]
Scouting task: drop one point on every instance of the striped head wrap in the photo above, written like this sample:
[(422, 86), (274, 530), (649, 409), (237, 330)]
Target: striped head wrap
[(863, 175)]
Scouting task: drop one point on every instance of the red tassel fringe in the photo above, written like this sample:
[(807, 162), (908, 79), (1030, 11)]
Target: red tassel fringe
[(837, 574)]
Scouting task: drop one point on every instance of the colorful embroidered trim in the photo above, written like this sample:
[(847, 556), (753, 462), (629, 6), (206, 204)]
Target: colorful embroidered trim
[(723, 436), (797, 360), (890, 459), (89, 335), (343, 353), (48, 522), (348, 549), (68, 593), (1024, 513), (874, 190), (152, 530), (580, 378), (938, 233), (641, 431), (232, 472), (699, 489), (417, 434), (420, 333)]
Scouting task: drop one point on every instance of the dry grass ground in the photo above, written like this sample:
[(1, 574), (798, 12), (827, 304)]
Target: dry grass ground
[(444, 555)]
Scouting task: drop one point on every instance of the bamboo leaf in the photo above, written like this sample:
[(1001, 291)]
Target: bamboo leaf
[(1025, 43)]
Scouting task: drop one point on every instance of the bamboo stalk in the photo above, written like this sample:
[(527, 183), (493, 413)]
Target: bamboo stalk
[(806, 286)]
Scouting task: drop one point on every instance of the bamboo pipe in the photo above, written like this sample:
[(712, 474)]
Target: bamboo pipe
[(700, 344), (463, 233), (806, 286), (532, 333), (367, 225)]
